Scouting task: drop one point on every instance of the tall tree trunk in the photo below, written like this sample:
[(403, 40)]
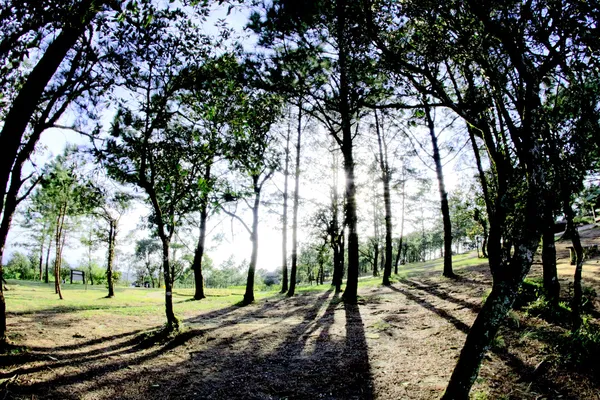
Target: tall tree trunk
[(58, 254), (350, 293), (573, 233), (284, 269), (249, 294), (551, 284), (172, 320), (199, 254), (46, 278), (443, 196), (336, 235), (292, 288), (385, 177), (41, 261), (400, 243), (112, 234), (484, 188)]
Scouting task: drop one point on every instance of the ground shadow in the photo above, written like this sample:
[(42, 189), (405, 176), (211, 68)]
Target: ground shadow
[(300, 359)]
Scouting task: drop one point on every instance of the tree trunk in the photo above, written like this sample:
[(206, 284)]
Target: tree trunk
[(375, 258), (284, 269), (336, 236), (199, 254), (111, 255), (347, 151), (24, 105), (484, 188), (479, 338), (46, 279), (551, 284), (385, 177), (172, 321), (59, 243), (577, 290), (249, 295), (400, 243), (443, 196), (3, 338), (41, 262), (292, 288)]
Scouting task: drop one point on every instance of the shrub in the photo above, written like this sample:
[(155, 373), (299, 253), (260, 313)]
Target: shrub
[(581, 348)]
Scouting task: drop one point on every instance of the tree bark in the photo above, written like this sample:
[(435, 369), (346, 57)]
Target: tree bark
[(550, 274), (249, 294), (577, 289), (385, 177), (443, 196), (46, 278), (3, 338), (24, 105), (481, 334), (292, 288), (400, 243), (112, 234), (172, 320), (59, 243), (375, 258), (199, 254), (41, 261), (337, 237), (284, 269)]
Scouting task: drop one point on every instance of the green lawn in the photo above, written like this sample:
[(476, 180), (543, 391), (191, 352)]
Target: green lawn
[(26, 297), (29, 297)]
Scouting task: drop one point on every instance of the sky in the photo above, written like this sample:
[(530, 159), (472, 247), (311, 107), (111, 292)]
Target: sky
[(233, 239)]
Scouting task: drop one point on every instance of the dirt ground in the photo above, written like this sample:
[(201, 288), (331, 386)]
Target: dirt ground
[(399, 342)]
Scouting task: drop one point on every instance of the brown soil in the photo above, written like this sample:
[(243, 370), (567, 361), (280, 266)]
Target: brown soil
[(400, 342)]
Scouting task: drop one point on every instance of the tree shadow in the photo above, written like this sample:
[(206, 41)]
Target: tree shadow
[(458, 324), (262, 363), (432, 290)]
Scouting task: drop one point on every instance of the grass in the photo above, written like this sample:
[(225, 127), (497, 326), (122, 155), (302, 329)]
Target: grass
[(25, 297)]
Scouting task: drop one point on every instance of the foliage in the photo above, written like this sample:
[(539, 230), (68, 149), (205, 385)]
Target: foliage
[(19, 267), (581, 348)]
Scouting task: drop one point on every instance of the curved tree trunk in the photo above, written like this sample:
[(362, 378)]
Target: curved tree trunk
[(24, 105)]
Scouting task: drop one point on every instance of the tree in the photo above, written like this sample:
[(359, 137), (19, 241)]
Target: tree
[(250, 154), (150, 147), (318, 37), (284, 218), (386, 178), (478, 60), (65, 197), (295, 207), (145, 249), (111, 210)]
